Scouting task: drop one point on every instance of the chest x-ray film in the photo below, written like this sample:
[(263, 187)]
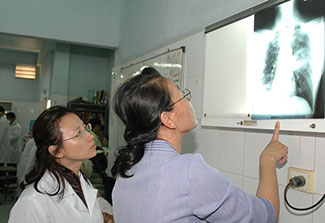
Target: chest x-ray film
[(286, 65)]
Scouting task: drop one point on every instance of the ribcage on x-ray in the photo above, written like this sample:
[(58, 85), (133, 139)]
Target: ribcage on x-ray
[(301, 73)]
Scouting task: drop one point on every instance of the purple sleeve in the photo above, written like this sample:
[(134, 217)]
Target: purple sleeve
[(214, 198)]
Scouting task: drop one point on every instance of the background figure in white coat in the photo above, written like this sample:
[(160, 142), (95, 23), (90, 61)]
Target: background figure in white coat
[(15, 138), (4, 137), (56, 190), (27, 160)]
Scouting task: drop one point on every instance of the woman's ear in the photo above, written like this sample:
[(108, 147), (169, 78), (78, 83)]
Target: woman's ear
[(52, 151), (168, 120)]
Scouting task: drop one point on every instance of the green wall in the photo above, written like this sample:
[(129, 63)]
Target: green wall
[(64, 70), (12, 88)]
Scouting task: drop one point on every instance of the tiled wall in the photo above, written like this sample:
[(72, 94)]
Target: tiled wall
[(236, 154)]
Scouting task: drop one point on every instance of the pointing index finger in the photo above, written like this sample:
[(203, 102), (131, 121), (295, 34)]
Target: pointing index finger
[(276, 131)]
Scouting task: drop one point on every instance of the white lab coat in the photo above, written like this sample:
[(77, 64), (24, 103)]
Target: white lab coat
[(35, 207), (27, 160), (4, 140), (14, 142)]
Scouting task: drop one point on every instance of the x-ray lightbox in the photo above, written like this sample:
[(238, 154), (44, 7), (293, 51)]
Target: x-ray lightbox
[(267, 63)]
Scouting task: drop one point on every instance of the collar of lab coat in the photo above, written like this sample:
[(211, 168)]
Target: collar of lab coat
[(14, 122), (49, 184)]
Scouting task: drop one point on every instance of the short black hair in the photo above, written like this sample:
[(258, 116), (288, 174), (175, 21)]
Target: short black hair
[(94, 122), (11, 115), (2, 109)]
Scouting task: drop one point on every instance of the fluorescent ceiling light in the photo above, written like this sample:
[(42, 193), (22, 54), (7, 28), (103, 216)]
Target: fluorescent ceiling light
[(26, 72)]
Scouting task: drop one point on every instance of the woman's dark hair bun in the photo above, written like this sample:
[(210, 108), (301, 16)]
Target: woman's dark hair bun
[(139, 102)]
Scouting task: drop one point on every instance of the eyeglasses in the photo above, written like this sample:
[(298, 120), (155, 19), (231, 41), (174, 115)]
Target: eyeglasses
[(186, 95), (81, 133)]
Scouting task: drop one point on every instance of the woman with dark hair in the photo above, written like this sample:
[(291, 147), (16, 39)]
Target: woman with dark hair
[(155, 183), (56, 190)]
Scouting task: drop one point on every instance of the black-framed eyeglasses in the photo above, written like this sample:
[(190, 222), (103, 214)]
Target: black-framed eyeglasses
[(81, 133), (186, 95)]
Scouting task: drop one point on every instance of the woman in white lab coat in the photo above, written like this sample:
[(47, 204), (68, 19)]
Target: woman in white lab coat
[(56, 190)]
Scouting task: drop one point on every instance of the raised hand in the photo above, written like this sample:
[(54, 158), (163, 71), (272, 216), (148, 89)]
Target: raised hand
[(275, 150)]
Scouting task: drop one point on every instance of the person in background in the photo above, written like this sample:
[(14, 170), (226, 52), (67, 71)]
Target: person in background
[(4, 137), (96, 126), (109, 181), (56, 190), (102, 124), (87, 165), (105, 141), (98, 164), (15, 138), (26, 161), (156, 183), (107, 149)]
